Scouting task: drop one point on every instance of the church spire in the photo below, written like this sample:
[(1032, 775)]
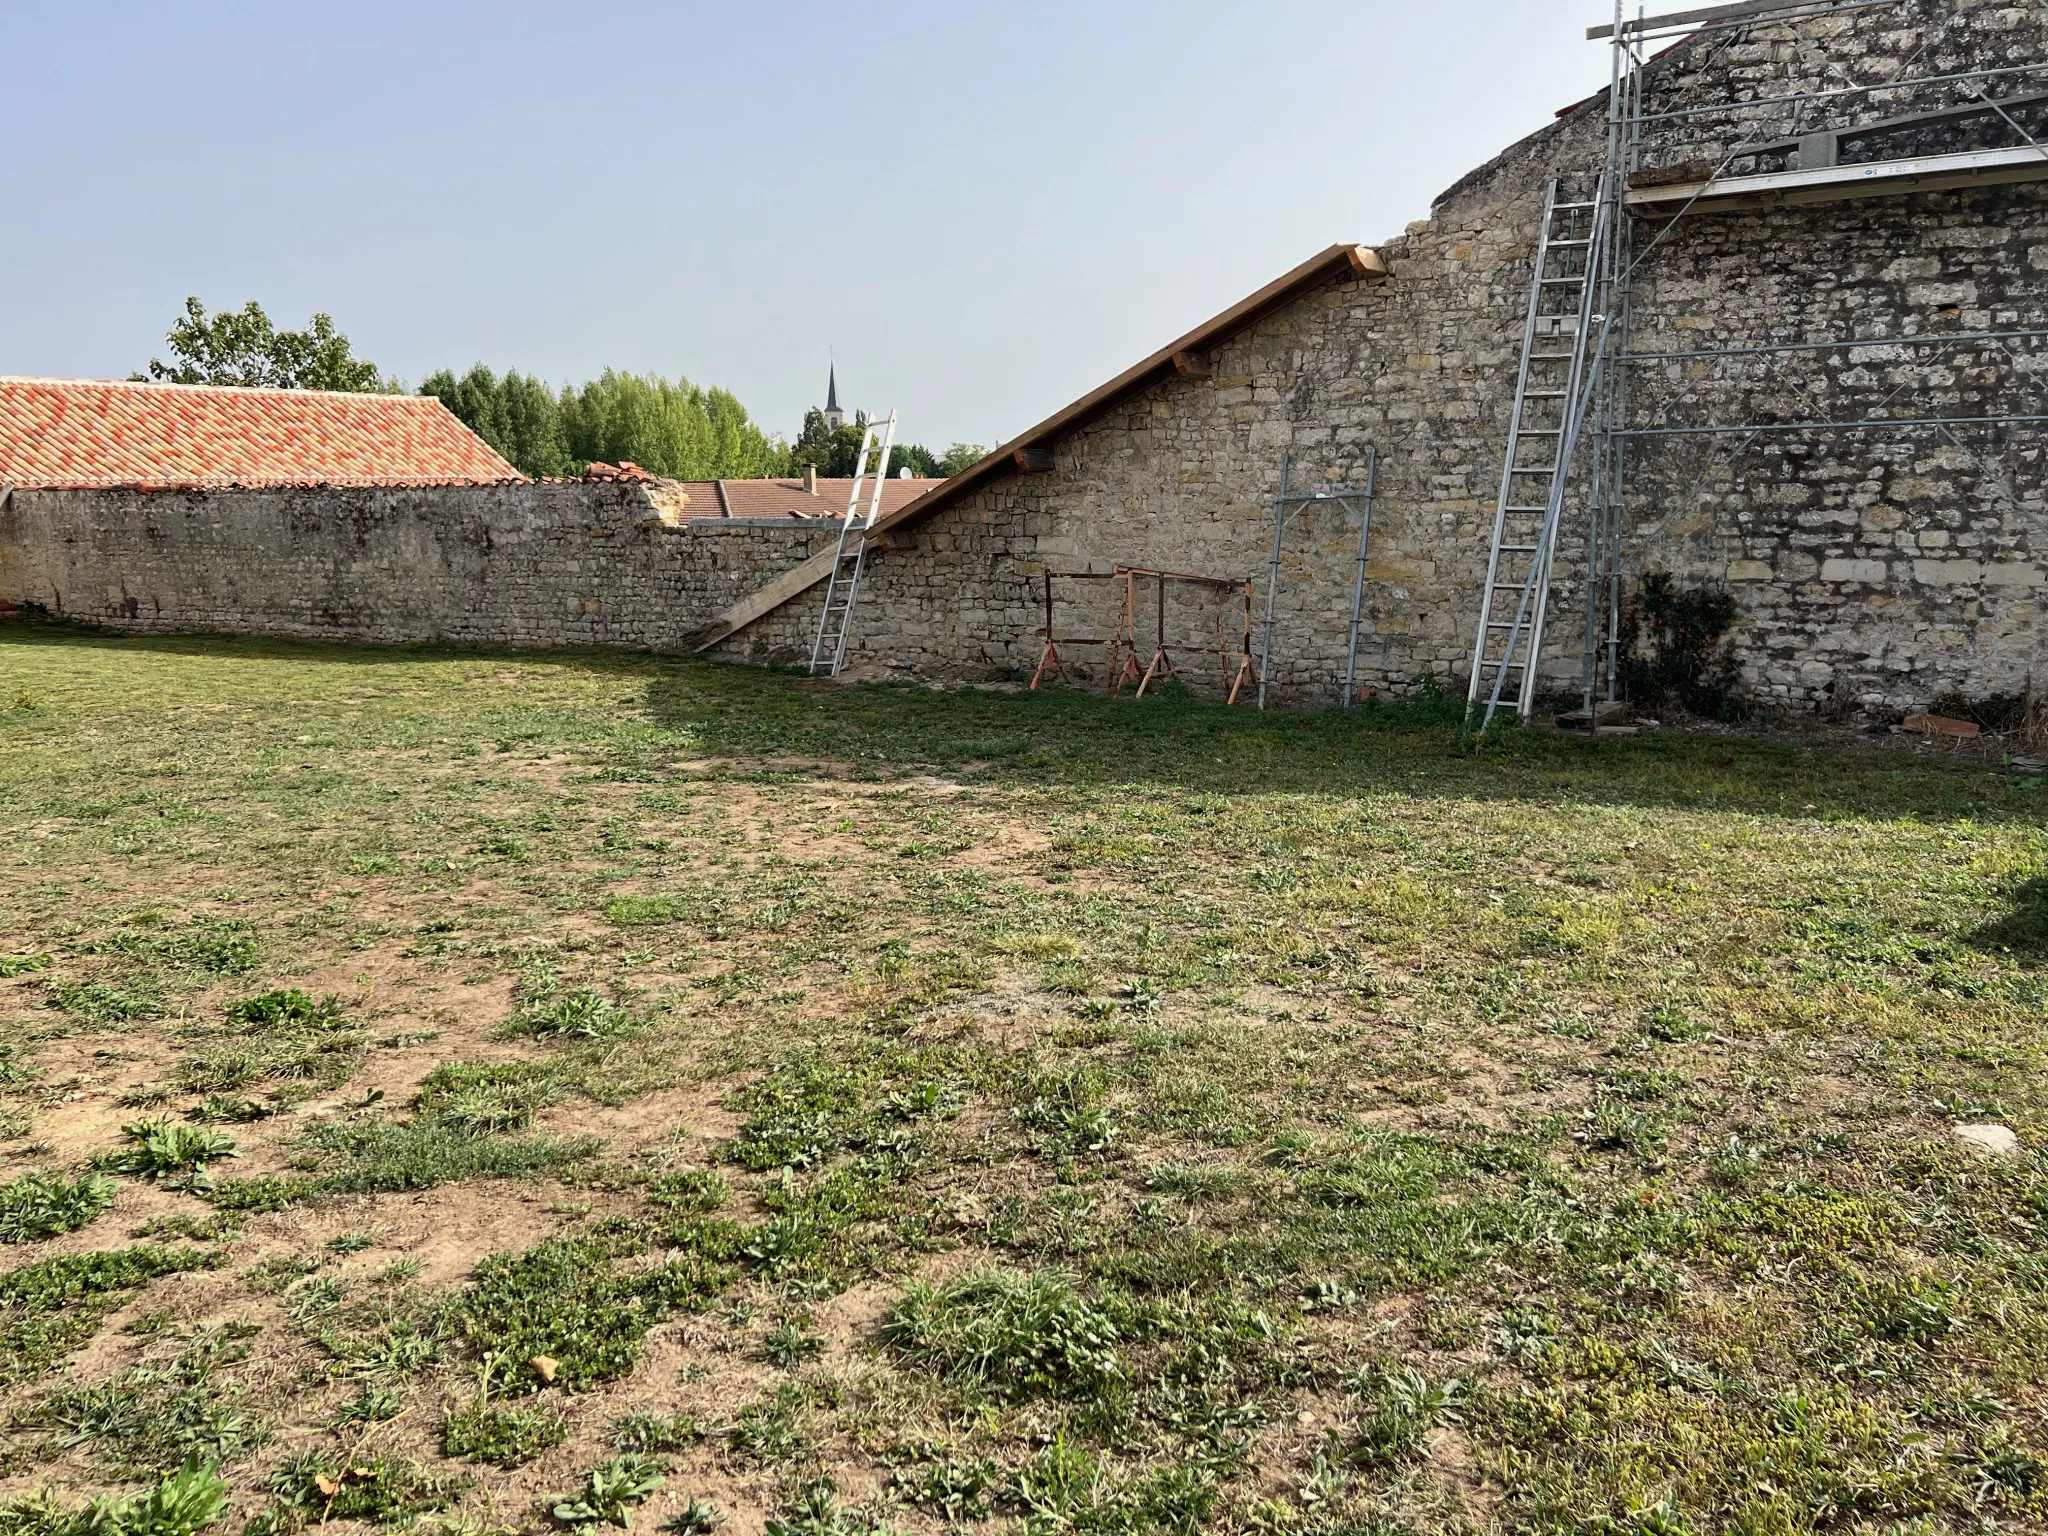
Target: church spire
[(833, 415)]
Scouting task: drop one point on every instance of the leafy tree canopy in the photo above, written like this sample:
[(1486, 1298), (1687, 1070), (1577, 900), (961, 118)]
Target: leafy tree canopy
[(672, 428), (836, 450), (914, 457), (833, 451), (243, 348), (518, 416)]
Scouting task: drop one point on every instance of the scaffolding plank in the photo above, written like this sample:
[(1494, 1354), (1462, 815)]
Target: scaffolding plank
[(1839, 183), (1710, 13)]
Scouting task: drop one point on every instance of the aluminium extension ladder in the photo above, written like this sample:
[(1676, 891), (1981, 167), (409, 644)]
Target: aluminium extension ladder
[(843, 590), (1549, 408)]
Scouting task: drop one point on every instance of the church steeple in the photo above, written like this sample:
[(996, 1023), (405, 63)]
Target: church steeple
[(834, 417)]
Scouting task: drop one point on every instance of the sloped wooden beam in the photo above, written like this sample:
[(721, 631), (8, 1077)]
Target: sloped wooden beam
[(763, 601), (1314, 272)]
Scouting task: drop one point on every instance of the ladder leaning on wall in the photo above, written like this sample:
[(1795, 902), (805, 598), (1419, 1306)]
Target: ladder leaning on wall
[(1549, 408), (843, 590)]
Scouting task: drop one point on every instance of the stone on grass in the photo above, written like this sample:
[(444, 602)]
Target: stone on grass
[(1988, 1140)]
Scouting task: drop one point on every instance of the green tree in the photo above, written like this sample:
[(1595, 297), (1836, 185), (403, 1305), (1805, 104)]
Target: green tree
[(243, 348), (669, 428), (517, 415), (836, 450), (915, 457), (743, 450), (832, 451)]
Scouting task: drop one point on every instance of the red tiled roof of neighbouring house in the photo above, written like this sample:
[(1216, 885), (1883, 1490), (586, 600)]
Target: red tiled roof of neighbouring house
[(77, 434), (789, 498)]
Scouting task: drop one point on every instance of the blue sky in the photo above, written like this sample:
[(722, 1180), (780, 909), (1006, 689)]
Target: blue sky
[(981, 210)]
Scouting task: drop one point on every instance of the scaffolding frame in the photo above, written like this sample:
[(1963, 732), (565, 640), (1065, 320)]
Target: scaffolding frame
[(1608, 386), (1124, 649), (1050, 658), (1287, 506), (1237, 663)]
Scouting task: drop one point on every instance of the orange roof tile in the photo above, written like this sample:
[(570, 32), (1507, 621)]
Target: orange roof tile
[(66, 434)]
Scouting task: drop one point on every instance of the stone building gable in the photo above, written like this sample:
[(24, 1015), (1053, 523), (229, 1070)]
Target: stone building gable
[(1872, 569), (1181, 476)]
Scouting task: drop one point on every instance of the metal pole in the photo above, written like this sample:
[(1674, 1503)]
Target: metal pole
[(1604, 503), (1273, 579), (1618, 382), (1832, 426), (1372, 473), (1922, 339)]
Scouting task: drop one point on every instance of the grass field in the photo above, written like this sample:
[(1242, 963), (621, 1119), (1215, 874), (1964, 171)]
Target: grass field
[(470, 1092)]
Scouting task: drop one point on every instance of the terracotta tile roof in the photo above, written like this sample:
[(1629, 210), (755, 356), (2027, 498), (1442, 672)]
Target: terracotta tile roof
[(788, 498), (90, 434)]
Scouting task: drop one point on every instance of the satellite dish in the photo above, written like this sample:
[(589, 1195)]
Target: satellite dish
[(904, 473)]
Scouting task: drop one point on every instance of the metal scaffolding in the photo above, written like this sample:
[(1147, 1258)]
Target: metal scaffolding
[(1289, 505), (1812, 170)]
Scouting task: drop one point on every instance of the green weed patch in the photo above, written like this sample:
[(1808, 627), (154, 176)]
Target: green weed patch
[(162, 1148), (38, 1205), (283, 1038), (377, 1155), (1014, 1335), (504, 1435), (224, 948), (611, 1491), (53, 1306), (576, 1306), (316, 1487), (183, 1504), (1038, 1102), (157, 1416)]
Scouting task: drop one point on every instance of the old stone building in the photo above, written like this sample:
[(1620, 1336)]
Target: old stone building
[(1882, 566), (1830, 353)]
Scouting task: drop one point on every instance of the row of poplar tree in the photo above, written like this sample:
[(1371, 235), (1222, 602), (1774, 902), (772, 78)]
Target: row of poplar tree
[(674, 428), (669, 427)]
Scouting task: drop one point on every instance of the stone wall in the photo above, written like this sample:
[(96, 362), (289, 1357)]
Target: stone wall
[(544, 564), (1873, 569)]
